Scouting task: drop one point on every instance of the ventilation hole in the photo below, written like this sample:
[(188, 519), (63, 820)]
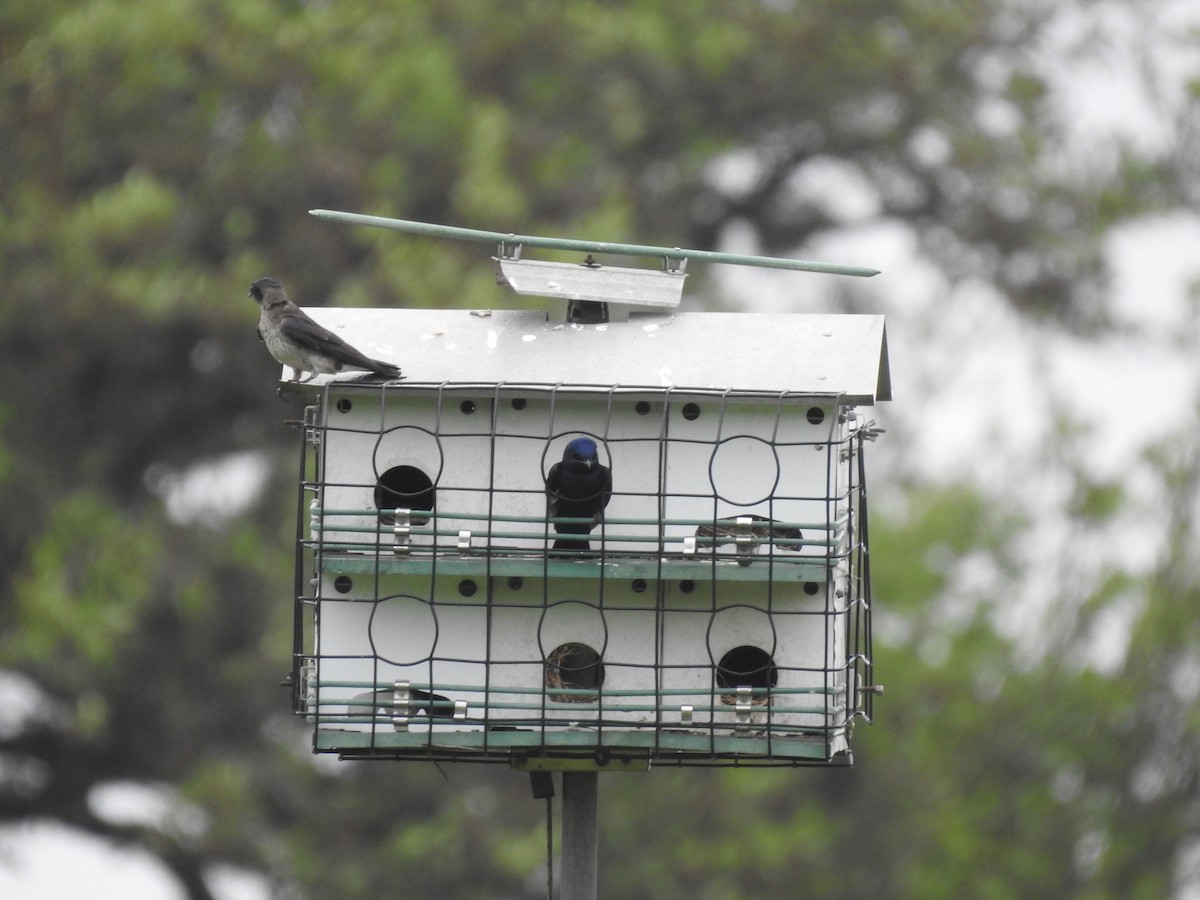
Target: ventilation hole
[(687, 586), (574, 666), (467, 587), (638, 585), (344, 405), (519, 402), (467, 407), (642, 408), (811, 587), (515, 582), (342, 584), (691, 411), (404, 487), (816, 415), (747, 666)]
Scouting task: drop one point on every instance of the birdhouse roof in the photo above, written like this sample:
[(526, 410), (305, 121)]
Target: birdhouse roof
[(758, 352)]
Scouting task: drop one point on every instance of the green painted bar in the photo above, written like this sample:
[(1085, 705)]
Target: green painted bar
[(480, 517), (607, 692), (536, 739), (703, 568), (497, 237)]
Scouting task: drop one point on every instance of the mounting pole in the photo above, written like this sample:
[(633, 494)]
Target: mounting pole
[(579, 842)]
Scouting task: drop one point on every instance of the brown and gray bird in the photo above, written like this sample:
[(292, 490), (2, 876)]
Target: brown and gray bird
[(297, 341)]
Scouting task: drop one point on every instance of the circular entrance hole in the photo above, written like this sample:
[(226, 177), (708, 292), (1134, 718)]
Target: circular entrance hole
[(746, 666), (574, 666), (404, 487)]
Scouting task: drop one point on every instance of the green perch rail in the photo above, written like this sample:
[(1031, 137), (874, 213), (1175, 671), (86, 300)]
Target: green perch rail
[(548, 243)]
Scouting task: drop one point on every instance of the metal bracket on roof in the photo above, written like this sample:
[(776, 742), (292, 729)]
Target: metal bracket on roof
[(509, 250), (591, 281)]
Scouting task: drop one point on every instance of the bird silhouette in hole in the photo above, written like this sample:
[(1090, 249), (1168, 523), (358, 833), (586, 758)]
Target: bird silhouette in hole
[(297, 341), (578, 487)]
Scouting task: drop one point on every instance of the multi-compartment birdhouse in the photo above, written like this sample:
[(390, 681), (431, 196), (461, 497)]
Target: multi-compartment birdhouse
[(716, 609)]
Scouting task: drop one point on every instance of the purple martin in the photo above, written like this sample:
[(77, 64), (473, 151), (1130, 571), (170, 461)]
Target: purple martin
[(578, 487), (297, 341)]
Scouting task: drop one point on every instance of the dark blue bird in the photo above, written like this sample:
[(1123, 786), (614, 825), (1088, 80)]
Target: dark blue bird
[(578, 487)]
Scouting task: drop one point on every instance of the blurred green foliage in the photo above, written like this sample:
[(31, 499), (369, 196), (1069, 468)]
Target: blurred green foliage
[(157, 157)]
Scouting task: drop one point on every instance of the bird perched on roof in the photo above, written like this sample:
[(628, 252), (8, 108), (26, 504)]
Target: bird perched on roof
[(578, 487), (297, 341)]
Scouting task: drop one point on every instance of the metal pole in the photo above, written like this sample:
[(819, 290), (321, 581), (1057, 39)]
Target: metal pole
[(579, 815)]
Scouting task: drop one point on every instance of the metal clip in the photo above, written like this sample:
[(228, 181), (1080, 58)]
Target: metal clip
[(308, 695), (464, 540), (744, 699), (686, 713), (401, 705), (312, 425), (460, 709), (689, 545), (743, 539), (314, 519), (870, 431), (676, 265), (402, 531)]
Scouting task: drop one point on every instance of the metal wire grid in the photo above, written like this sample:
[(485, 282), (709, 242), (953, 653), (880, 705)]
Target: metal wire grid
[(507, 720)]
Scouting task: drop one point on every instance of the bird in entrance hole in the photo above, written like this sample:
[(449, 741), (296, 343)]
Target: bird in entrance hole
[(579, 487), (297, 341)]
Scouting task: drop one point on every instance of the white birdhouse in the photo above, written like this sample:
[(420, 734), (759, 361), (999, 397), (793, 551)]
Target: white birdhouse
[(721, 610)]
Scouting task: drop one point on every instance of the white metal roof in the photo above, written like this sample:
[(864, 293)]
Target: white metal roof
[(803, 353)]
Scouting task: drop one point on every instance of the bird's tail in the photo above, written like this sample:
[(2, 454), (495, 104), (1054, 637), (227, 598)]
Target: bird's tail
[(387, 370), (572, 544)]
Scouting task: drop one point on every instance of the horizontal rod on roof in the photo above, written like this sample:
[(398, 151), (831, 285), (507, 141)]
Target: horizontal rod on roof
[(472, 234)]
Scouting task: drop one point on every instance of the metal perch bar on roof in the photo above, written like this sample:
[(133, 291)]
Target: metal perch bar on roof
[(497, 237)]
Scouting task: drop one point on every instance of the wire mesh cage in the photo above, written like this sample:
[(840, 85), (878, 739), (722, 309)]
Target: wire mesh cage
[(718, 612)]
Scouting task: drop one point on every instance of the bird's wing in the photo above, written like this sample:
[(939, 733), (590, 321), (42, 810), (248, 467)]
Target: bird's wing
[(302, 330), (606, 493), (553, 487), (299, 328)]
